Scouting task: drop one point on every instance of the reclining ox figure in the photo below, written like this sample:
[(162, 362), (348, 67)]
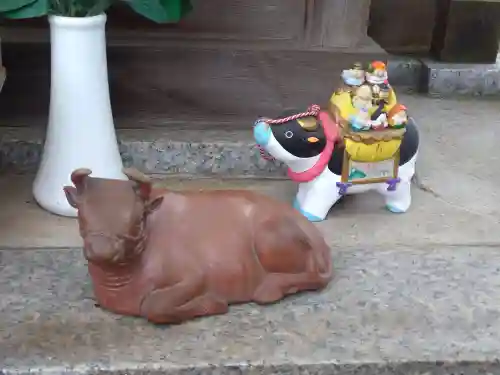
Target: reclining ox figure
[(172, 256), (311, 146)]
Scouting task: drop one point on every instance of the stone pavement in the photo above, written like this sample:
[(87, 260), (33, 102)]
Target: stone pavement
[(417, 293), (391, 310)]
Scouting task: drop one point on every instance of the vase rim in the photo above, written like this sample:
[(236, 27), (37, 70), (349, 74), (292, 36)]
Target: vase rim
[(77, 21)]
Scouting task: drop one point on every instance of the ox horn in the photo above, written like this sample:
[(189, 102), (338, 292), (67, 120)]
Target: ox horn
[(79, 175), (308, 123), (143, 182), (135, 175)]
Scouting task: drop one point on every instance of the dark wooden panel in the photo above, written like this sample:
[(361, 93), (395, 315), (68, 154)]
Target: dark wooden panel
[(182, 83), (226, 19), (466, 31), (403, 25), (231, 18), (339, 23)]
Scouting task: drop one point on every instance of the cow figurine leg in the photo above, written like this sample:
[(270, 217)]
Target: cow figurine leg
[(315, 198), (399, 200), (187, 299)]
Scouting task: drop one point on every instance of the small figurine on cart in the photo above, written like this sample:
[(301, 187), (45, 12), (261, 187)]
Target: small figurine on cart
[(362, 102), (353, 77), (364, 141), (398, 118), (376, 74)]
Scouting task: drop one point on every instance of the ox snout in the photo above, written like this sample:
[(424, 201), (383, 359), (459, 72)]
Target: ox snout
[(261, 133), (101, 248)]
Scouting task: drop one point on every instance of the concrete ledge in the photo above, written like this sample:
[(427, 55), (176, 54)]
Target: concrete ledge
[(396, 310), (445, 79)]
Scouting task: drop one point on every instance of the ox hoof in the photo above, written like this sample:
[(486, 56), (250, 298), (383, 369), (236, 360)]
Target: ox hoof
[(395, 209), (307, 215)]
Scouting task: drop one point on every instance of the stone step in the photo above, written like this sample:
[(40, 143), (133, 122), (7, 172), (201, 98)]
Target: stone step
[(204, 147)]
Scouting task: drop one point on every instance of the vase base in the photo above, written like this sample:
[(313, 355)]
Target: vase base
[(54, 206)]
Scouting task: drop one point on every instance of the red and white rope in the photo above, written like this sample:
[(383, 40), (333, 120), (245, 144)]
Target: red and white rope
[(264, 155), (313, 110)]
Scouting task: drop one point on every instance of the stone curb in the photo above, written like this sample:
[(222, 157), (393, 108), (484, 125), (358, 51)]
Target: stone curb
[(405, 73), (405, 368), (171, 151), (443, 79)]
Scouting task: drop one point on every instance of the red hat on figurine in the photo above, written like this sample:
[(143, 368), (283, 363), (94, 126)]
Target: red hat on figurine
[(377, 65)]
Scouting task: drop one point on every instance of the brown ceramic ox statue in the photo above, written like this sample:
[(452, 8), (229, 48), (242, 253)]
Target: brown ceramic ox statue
[(172, 256)]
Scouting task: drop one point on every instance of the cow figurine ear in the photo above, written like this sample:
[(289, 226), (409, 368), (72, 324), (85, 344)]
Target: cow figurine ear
[(73, 194)]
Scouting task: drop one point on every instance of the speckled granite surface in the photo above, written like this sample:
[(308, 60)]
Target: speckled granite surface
[(395, 310), (209, 151)]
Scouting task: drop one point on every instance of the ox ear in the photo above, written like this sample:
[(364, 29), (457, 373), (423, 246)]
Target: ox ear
[(154, 204), (78, 178), (72, 196)]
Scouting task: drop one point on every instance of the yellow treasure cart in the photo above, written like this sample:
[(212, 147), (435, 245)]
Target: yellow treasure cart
[(370, 156)]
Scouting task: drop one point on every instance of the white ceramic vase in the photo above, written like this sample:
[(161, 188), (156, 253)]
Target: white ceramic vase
[(80, 132)]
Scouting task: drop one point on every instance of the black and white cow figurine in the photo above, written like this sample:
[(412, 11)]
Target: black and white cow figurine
[(314, 159)]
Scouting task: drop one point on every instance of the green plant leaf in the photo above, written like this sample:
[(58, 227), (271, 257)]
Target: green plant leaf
[(8, 5), (176, 8), (100, 6), (37, 8), (161, 11)]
